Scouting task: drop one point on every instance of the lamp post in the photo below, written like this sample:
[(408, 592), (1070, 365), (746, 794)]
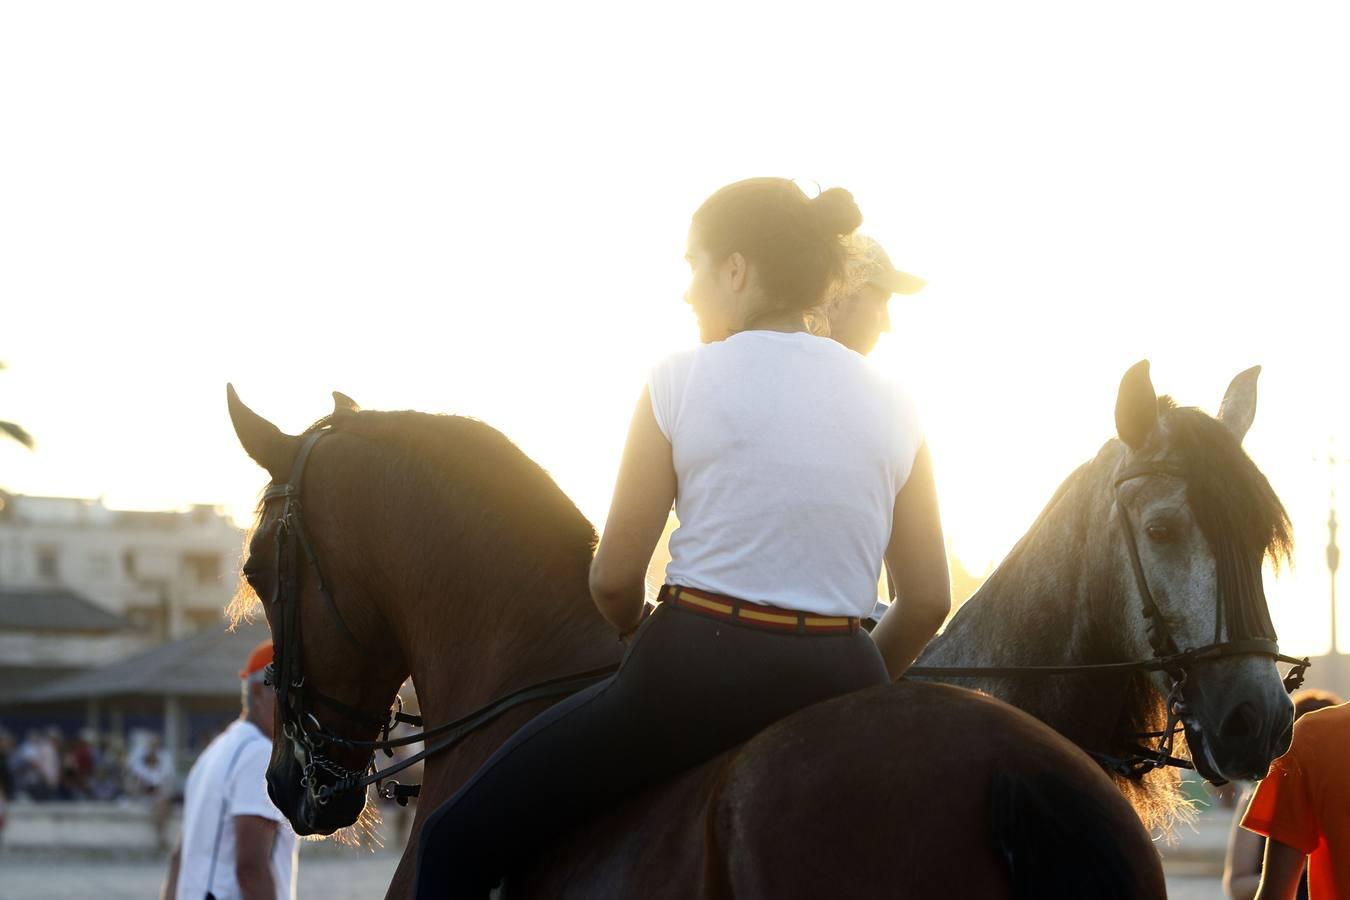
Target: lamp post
[(1333, 563), (1333, 550)]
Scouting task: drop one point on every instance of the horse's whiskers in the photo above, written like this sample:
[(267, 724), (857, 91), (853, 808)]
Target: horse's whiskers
[(364, 832)]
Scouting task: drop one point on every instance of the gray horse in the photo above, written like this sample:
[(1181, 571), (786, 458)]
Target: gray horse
[(1154, 546)]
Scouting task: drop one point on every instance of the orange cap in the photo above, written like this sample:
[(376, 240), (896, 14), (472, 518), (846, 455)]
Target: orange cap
[(260, 658)]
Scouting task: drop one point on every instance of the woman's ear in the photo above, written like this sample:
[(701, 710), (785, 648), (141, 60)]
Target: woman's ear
[(737, 270)]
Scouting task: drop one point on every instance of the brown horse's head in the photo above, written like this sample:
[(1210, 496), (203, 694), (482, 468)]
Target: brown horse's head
[(336, 651), (448, 554), (1202, 519)]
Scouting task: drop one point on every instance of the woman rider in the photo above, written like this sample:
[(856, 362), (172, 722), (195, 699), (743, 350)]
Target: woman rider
[(797, 468)]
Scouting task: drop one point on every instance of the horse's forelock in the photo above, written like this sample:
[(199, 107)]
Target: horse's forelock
[(1238, 512), (1225, 487)]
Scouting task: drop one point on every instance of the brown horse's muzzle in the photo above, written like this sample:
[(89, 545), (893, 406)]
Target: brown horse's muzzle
[(306, 815)]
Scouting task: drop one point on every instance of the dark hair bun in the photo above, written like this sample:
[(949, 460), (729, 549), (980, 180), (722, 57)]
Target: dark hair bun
[(836, 211)]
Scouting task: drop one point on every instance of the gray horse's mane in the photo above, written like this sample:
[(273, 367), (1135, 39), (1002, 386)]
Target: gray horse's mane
[(1243, 523), (1238, 512)]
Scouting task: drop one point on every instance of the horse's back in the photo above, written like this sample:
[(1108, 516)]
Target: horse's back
[(654, 844), (913, 790), (923, 790)]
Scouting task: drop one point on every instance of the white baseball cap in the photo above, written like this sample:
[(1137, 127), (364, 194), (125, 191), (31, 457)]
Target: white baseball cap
[(874, 267)]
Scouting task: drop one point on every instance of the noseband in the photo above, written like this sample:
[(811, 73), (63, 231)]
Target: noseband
[(297, 698), (1167, 657)]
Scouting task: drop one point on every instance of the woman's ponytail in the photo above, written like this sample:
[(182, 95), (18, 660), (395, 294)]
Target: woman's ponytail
[(796, 243)]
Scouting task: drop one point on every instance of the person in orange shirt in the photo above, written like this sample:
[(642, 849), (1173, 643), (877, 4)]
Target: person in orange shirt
[(1303, 807)]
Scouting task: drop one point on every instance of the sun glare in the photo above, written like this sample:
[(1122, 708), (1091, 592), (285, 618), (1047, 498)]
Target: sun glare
[(454, 232)]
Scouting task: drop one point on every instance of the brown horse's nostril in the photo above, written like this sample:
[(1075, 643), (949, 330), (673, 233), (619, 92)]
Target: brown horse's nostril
[(1242, 723)]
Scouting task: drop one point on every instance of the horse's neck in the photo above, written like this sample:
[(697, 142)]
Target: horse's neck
[(474, 634), (520, 635), (1027, 613), (1047, 605)]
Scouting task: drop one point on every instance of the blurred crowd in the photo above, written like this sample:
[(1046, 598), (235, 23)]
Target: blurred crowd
[(48, 765)]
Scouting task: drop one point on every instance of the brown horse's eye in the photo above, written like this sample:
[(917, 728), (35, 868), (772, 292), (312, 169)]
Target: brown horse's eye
[(1159, 534), (252, 574)]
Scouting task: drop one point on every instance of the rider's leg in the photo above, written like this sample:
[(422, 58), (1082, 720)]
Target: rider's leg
[(689, 688)]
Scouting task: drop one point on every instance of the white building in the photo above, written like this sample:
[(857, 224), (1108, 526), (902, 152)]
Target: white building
[(168, 573), (84, 587)]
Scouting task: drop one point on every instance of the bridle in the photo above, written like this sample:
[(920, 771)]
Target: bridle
[(1167, 657), (297, 698)]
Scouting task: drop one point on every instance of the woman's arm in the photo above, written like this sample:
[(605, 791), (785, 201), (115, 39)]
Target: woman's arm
[(643, 496), (1281, 871), (1242, 866), (916, 560)]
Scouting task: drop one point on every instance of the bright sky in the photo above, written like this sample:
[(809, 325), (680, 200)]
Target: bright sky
[(483, 211)]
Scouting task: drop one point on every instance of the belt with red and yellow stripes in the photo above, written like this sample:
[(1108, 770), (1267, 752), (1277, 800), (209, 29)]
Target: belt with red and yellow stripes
[(755, 615)]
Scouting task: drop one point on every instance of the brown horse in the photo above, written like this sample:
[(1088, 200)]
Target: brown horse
[(448, 555)]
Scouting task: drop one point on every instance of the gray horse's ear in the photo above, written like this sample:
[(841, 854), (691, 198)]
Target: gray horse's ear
[(1238, 409), (1136, 406), (343, 405), (261, 440)]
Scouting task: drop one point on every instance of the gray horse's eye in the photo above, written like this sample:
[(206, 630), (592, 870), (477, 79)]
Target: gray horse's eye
[(1159, 534)]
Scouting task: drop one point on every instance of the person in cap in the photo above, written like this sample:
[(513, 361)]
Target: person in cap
[(235, 843), (859, 318)]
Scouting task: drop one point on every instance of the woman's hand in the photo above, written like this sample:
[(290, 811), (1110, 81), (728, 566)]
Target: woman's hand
[(916, 560), (627, 634)]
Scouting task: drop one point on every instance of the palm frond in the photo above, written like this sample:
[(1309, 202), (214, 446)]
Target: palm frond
[(9, 429)]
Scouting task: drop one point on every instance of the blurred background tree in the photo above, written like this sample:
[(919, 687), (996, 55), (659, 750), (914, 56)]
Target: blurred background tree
[(15, 432)]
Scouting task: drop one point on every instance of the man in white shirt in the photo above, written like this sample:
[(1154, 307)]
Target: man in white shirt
[(858, 320), (236, 845)]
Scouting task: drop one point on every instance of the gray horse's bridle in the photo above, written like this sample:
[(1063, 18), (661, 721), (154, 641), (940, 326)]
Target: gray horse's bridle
[(1164, 647), (1167, 657)]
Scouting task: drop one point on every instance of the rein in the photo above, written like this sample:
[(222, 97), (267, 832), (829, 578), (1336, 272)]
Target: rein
[(295, 697), (1166, 658)]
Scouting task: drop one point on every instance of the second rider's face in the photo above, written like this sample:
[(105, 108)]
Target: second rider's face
[(860, 320), (707, 293)]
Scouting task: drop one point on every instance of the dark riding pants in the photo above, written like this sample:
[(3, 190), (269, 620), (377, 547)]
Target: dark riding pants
[(689, 687)]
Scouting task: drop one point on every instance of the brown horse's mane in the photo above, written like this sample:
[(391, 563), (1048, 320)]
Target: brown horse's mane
[(457, 456), (479, 486)]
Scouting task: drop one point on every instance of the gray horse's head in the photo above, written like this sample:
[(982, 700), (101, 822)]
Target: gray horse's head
[(1203, 519)]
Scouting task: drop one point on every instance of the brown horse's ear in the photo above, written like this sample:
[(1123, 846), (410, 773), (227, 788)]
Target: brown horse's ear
[(343, 405), (1136, 407), (262, 440), (1238, 409)]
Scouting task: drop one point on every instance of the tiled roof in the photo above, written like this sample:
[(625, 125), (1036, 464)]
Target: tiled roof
[(59, 609), (203, 665)]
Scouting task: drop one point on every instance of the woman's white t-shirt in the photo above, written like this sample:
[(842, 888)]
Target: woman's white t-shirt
[(789, 451)]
